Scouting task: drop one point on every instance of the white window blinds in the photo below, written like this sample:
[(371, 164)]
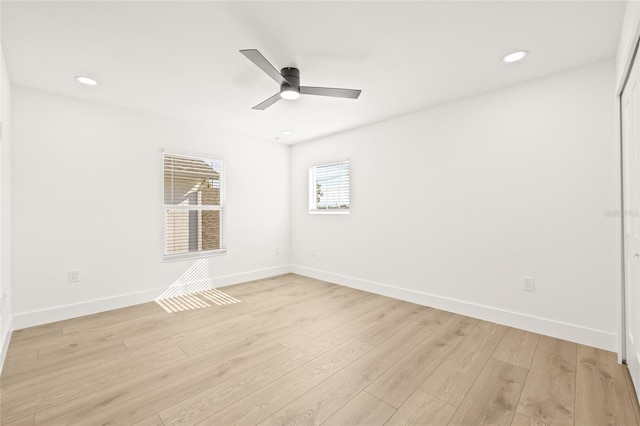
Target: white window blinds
[(192, 205), (329, 188)]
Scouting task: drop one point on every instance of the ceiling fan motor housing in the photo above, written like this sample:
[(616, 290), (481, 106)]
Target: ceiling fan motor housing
[(292, 75)]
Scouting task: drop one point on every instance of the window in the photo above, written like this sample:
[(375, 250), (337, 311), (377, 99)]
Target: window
[(329, 188), (192, 206)]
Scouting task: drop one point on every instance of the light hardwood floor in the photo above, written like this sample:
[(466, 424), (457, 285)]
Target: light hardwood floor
[(301, 351)]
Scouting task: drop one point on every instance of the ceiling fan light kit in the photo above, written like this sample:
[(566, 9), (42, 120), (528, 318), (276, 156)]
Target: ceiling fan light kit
[(289, 80), (289, 93)]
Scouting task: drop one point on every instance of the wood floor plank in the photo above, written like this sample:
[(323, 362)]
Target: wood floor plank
[(493, 398), (127, 318), (331, 297), (266, 401), (214, 399), (82, 382), (113, 330), (180, 380), (154, 420), (86, 369), (221, 331), (422, 409), (23, 362), (140, 404), (602, 397), (632, 393), (271, 304), (317, 405), (78, 350), (199, 322), (105, 329), (101, 319), (17, 352), (522, 420), (30, 334), (368, 313), (549, 393), (517, 347), (157, 326), (403, 378), (363, 410), (23, 421), (195, 341), (371, 313), (453, 378), (314, 321), (10, 416), (50, 365), (304, 290), (398, 316), (217, 341), (197, 330)]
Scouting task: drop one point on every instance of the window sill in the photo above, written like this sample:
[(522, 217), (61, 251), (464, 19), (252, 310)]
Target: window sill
[(196, 255)]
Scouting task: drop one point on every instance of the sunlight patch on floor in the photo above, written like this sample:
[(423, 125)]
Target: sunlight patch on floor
[(198, 300)]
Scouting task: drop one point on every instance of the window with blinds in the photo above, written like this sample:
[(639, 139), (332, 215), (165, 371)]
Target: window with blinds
[(192, 206), (329, 188)]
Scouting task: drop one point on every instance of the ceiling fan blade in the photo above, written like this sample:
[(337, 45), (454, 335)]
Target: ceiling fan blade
[(330, 91), (256, 57), (266, 104)]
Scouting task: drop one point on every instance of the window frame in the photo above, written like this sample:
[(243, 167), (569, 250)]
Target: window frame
[(220, 207), (312, 189)]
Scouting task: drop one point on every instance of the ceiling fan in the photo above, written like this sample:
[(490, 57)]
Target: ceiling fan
[(289, 80)]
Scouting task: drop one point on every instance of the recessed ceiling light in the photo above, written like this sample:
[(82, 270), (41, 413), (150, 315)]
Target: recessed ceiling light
[(286, 132), (276, 139), (515, 56), (86, 80)]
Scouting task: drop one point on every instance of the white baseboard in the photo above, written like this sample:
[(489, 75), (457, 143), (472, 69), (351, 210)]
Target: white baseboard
[(6, 338), (59, 313), (571, 332)]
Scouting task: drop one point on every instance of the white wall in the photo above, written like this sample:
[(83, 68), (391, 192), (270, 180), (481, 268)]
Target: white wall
[(453, 205), (6, 325), (87, 195)]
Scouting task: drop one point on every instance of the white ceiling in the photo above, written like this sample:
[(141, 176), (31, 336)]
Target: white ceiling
[(181, 58)]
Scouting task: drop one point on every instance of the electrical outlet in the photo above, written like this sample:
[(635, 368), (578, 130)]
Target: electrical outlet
[(277, 249), (528, 284), (74, 275), (314, 253)]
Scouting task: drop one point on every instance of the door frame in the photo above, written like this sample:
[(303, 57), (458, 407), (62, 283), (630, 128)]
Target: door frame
[(630, 56)]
